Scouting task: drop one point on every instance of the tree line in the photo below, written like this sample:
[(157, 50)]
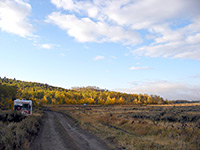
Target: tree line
[(40, 93)]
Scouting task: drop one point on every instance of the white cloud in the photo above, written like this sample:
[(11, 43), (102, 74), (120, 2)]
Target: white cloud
[(166, 89), (86, 30), (142, 13), (14, 17), (182, 43), (173, 49), (45, 45), (86, 7), (66, 4), (140, 68), (98, 58), (172, 25)]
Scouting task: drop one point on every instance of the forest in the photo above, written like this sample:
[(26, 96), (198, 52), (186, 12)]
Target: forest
[(39, 93)]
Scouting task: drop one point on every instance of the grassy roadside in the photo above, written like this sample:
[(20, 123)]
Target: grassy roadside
[(141, 127), (16, 130)]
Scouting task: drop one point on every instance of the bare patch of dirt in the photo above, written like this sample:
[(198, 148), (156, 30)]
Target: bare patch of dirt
[(58, 132)]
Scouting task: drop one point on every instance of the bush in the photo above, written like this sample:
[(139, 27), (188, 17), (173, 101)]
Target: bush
[(16, 130), (11, 116)]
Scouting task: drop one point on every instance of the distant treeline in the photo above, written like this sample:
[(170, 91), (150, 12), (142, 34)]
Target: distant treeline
[(184, 101), (11, 89)]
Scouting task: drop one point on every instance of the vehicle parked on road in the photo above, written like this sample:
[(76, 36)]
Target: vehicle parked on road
[(24, 106)]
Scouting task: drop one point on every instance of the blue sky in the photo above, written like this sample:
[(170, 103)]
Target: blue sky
[(133, 46)]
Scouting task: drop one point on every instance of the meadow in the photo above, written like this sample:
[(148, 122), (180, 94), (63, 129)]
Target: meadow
[(174, 127)]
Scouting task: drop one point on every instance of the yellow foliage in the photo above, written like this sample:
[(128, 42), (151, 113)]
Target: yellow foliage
[(120, 101), (44, 100), (110, 101), (53, 101), (101, 101)]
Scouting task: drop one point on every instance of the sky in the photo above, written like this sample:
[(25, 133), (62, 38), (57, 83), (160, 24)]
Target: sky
[(132, 46)]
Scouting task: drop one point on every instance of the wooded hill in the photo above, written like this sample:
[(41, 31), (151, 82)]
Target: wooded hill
[(40, 93)]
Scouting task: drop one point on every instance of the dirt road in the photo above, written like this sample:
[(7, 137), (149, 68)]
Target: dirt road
[(59, 133)]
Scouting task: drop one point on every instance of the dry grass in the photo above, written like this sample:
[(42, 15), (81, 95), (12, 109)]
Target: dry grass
[(141, 127), (17, 130)]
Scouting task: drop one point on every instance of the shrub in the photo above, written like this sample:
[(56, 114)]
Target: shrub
[(10, 116), (16, 130)]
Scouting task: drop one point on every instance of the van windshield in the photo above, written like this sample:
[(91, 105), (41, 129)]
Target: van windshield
[(17, 107), (26, 106)]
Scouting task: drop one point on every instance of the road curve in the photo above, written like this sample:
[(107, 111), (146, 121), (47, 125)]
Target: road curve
[(58, 133)]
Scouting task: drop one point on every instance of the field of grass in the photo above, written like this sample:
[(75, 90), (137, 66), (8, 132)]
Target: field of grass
[(174, 127), (17, 131)]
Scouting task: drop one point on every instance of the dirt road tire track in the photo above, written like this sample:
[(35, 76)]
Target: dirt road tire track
[(57, 133)]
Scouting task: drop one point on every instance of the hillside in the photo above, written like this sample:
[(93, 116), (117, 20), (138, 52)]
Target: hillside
[(40, 93)]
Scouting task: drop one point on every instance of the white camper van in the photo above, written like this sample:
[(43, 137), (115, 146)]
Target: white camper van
[(24, 106)]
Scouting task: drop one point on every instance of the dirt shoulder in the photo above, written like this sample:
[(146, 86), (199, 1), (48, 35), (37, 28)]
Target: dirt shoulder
[(58, 133)]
